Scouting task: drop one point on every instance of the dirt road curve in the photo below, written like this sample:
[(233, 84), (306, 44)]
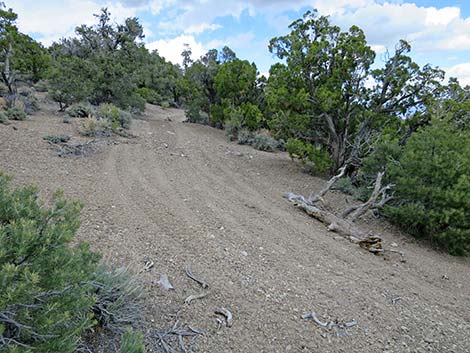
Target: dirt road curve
[(182, 194)]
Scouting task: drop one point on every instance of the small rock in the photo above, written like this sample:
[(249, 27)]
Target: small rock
[(394, 245), (243, 253), (428, 340)]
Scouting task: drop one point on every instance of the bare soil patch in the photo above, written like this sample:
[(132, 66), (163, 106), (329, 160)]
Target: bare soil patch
[(181, 194)]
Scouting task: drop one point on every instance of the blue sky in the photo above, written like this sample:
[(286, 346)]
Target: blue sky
[(439, 31)]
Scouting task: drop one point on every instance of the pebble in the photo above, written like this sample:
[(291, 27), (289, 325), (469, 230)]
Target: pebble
[(243, 253)]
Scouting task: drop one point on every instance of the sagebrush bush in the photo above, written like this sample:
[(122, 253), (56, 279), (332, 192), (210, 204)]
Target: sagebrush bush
[(56, 138), (432, 177), (51, 292), (16, 113), (245, 137), (30, 102), (264, 143), (93, 127), (80, 110)]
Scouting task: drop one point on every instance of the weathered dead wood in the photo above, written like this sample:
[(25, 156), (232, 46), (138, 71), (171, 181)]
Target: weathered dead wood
[(313, 198), (338, 225), (190, 274), (354, 212)]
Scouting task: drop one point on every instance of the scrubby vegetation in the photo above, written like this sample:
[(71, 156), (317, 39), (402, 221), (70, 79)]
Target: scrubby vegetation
[(324, 99), (52, 292)]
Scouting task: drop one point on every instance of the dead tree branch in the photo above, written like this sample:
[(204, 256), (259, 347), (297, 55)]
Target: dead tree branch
[(354, 212), (313, 198)]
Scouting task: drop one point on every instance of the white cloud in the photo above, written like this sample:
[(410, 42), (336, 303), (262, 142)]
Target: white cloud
[(171, 49), (202, 27), (461, 72)]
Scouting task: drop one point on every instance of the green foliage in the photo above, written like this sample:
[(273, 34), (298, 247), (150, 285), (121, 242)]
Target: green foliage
[(3, 118), (344, 185), (56, 138), (44, 303), (132, 342), (52, 292), (309, 154), (16, 113), (116, 117), (319, 95), (252, 116), (149, 95), (432, 183), (80, 110)]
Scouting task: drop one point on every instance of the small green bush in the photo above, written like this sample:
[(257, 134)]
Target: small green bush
[(149, 95), (80, 110), (309, 154), (132, 342), (344, 185), (16, 114), (234, 125), (3, 118), (432, 177), (51, 292), (44, 307), (116, 117), (252, 116), (56, 138)]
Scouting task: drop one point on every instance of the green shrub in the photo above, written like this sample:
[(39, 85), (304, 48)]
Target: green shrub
[(432, 177), (252, 116), (132, 342), (149, 95), (309, 154), (116, 117), (165, 104), (56, 138), (344, 185), (3, 118), (51, 292), (80, 110), (234, 124), (16, 114), (217, 115), (44, 305)]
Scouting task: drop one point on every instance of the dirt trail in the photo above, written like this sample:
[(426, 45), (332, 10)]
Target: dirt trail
[(182, 194)]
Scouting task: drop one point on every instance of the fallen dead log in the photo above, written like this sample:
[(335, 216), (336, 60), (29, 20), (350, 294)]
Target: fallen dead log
[(370, 242)]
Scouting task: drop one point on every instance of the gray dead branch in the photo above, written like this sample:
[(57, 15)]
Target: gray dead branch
[(339, 328), (79, 149), (228, 317), (190, 274), (175, 339), (316, 207), (192, 297)]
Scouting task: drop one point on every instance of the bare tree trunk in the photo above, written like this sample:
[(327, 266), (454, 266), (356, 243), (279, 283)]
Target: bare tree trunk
[(8, 75), (338, 225)]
